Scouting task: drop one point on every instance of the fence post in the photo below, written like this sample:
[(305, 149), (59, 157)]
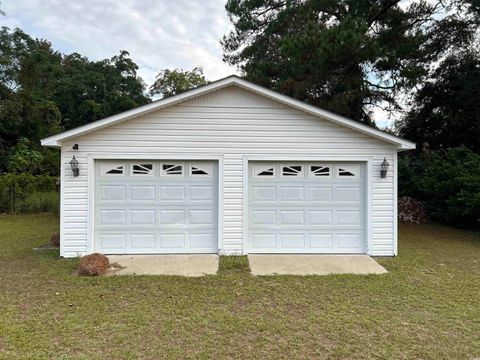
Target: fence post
[(10, 197), (14, 196)]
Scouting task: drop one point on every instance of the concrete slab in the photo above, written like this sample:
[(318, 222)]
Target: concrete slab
[(183, 265), (273, 264)]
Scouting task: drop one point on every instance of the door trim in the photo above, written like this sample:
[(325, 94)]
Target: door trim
[(92, 157), (368, 160)]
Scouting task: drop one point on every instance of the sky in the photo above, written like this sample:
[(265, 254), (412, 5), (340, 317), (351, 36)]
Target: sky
[(158, 34)]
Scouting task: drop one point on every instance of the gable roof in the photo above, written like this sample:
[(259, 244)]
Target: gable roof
[(56, 140)]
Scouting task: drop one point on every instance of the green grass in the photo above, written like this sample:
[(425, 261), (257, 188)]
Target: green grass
[(230, 265), (426, 307)]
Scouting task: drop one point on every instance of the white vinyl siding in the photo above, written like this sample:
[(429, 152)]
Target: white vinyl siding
[(229, 123)]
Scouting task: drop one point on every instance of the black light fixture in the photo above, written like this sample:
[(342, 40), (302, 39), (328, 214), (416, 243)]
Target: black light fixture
[(384, 168), (74, 166)]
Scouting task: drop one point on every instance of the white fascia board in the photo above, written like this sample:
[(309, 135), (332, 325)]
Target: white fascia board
[(55, 140)]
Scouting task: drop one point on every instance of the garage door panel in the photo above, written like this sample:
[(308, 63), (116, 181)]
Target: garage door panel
[(143, 192), (202, 193), (264, 241), (321, 217), (172, 241), (292, 241), (172, 192), (348, 217), (348, 194), (172, 217), (320, 193), (155, 212), (142, 240), (292, 217), (142, 217), (291, 193), (320, 209), (349, 241), (264, 217), (202, 217), (321, 241), (112, 217), (112, 240), (112, 192), (264, 193), (201, 240)]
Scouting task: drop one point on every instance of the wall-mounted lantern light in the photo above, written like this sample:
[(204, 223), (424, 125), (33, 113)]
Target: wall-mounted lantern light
[(384, 168), (74, 166)]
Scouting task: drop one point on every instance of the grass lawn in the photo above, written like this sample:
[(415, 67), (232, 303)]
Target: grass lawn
[(426, 307)]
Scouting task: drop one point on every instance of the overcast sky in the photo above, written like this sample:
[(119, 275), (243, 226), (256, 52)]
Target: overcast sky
[(158, 34)]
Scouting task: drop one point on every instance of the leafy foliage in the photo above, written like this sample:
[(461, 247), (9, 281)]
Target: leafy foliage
[(445, 111), (171, 82), (448, 181), (24, 158), (40, 202), (344, 55), (43, 92), (16, 188)]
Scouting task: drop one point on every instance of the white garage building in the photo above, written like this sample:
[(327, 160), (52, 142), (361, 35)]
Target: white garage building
[(229, 168)]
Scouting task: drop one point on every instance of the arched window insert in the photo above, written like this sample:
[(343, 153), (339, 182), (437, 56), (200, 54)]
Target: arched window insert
[(172, 169), (292, 170), (320, 171), (201, 169), (348, 171), (115, 171), (263, 170), (142, 169), (114, 168)]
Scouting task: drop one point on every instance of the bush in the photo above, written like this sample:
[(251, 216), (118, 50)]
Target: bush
[(411, 210), (447, 181), (40, 202), (16, 188)]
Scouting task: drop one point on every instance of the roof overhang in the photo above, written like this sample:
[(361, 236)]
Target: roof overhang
[(56, 140)]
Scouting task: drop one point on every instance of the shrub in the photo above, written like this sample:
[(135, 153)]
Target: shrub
[(93, 265), (15, 188), (411, 210), (447, 181), (41, 202)]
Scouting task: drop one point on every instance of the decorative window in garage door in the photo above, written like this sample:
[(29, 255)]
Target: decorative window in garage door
[(348, 171), (320, 171), (142, 169), (264, 170), (112, 168), (170, 169), (292, 170), (199, 169)]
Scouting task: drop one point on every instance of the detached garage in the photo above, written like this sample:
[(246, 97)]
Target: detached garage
[(229, 168)]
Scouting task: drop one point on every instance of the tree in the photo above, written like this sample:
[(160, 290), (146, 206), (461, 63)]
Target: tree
[(171, 82), (43, 92), (88, 90), (29, 70), (344, 55), (24, 158), (448, 181), (445, 113)]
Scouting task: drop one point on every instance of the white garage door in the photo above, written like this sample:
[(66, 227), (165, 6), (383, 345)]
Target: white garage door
[(146, 207), (306, 207)]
